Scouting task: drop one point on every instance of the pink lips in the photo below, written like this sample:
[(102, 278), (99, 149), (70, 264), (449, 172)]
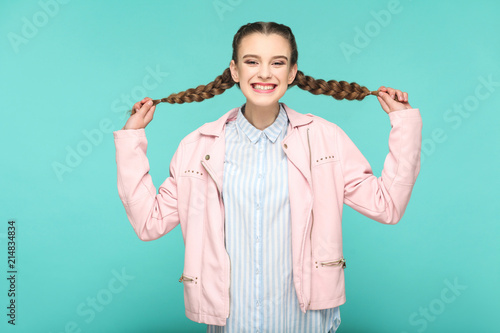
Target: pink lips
[(264, 91)]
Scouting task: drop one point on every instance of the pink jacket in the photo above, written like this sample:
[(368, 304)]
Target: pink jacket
[(325, 170)]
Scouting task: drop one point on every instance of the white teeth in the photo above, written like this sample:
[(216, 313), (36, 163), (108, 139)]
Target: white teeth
[(258, 86)]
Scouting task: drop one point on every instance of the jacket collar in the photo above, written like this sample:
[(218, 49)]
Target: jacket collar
[(215, 127)]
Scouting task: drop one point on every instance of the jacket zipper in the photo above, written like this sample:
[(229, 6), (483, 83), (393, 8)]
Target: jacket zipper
[(310, 157), (310, 170), (229, 279), (312, 212), (187, 278), (211, 175), (340, 262)]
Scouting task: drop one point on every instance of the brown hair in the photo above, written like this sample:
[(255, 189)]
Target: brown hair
[(337, 89)]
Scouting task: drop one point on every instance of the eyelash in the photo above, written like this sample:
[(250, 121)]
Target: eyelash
[(251, 62)]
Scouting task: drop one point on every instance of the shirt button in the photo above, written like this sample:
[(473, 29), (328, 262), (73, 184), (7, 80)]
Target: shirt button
[(257, 271), (258, 206), (260, 175), (258, 303)]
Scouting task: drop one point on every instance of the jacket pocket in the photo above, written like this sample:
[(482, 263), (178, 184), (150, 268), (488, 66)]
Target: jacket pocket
[(327, 281), (191, 292)]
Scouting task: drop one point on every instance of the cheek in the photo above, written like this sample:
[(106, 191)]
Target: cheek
[(249, 72), (283, 73)]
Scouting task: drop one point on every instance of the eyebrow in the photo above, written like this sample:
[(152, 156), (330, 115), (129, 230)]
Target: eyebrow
[(256, 56)]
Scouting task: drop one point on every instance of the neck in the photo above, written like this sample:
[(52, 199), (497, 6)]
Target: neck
[(261, 116)]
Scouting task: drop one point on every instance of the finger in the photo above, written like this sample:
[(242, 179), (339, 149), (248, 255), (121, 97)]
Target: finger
[(405, 96), (400, 95), (141, 102), (392, 105), (382, 102), (137, 106), (145, 108), (391, 92), (388, 102), (150, 114)]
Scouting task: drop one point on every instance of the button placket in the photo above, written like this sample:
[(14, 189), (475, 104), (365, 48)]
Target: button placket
[(259, 215)]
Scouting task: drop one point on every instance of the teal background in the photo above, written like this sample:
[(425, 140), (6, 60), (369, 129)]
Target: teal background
[(75, 72)]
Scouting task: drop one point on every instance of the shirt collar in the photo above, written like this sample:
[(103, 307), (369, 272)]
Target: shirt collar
[(272, 132)]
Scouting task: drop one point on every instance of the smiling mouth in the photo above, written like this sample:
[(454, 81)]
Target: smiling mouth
[(264, 88)]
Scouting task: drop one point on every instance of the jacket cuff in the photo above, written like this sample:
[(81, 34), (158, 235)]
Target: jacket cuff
[(129, 133), (406, 113)]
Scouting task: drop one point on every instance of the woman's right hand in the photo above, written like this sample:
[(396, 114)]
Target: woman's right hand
[(144, 111)]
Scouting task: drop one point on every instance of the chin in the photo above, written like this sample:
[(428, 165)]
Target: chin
[(263, 102)]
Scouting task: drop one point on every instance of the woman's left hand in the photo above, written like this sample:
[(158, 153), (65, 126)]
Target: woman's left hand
[(386, 97)]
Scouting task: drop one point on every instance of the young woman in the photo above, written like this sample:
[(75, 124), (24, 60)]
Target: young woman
[(259, 192)]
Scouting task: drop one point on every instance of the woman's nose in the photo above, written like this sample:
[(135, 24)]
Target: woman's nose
[(264, 72)]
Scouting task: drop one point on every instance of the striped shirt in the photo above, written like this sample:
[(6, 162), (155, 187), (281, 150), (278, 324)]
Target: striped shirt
[(258, 235)]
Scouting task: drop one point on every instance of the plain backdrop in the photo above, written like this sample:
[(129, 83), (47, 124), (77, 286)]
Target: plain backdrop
[(71, 69)]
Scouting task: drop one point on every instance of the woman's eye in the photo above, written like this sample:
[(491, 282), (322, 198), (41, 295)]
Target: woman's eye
[(252, 62)]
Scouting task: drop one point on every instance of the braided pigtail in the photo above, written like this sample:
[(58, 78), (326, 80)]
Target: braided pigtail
[(200, 93), (337, 89)]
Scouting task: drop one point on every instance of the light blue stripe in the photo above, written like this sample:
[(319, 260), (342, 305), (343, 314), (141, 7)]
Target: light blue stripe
[(272, 286)]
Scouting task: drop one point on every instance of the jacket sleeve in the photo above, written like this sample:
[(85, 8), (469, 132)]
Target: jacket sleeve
[(385, 198), (151, 214)]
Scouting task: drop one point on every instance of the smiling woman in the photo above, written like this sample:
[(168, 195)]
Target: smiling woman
[(259, 192)]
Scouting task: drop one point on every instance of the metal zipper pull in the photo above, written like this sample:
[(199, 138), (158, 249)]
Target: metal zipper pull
[(185, 278), (340, 262)]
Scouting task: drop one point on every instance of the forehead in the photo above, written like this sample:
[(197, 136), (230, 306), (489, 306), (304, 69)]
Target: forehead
[(264, 45)]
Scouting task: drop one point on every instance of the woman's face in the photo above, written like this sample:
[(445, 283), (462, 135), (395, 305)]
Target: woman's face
[(263, 70)]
